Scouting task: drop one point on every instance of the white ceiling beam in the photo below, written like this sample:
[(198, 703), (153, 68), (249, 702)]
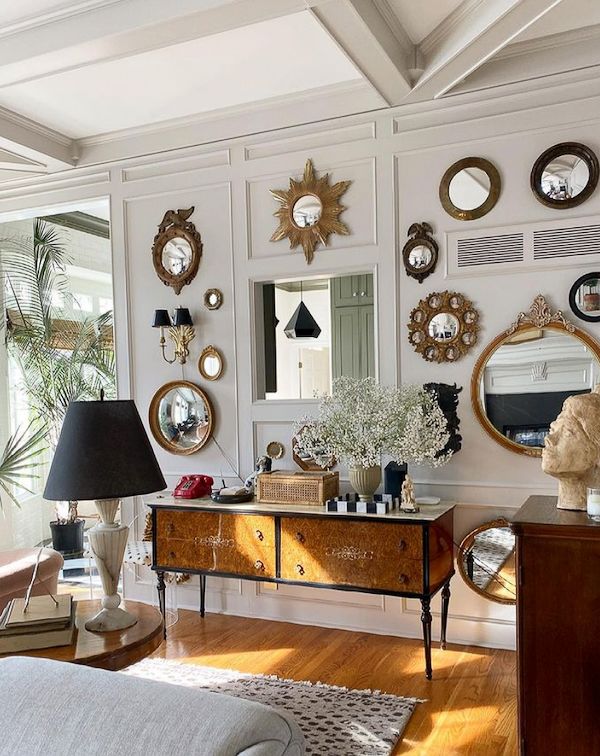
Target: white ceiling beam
[(363, 34), (473, 41), (37, 145), (128, 27)]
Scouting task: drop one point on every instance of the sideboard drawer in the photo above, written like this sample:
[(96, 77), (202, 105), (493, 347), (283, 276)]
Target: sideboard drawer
[(371, 555), (213, 542)]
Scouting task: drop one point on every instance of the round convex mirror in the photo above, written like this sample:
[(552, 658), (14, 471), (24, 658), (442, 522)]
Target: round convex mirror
[(307, 210), (213, 299), (486, 561), (210, 364), (565, 175), (444, 326), (176, 256), (470, 188), (181, 417), (420, 257), (584, 297)]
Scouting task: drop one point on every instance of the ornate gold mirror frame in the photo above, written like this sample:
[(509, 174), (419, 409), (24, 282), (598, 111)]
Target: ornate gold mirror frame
[(421, 237), (461, 321), (210, 352), (321, 228), (175, 225), (539, 316)]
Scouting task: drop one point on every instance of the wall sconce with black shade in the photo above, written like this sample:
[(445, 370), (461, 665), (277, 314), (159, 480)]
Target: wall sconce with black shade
[(180, 329)]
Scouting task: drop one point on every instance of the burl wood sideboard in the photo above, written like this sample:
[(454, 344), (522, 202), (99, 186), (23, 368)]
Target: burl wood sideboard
[(397, 554), (558, 606)]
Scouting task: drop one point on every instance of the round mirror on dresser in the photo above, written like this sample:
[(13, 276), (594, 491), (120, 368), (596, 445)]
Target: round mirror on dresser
[(486, 561), (522, 378), (565, 175), (181, 417)]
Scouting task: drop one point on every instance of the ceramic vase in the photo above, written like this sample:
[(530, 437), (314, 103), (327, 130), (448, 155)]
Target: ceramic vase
[(365, 481)]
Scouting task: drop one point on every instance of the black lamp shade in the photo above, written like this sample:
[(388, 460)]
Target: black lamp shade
[(182, 317), (302, 325), (103, 453), (161, 319)]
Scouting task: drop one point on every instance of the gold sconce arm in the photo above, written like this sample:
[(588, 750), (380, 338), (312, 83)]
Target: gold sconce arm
[(181, 337)]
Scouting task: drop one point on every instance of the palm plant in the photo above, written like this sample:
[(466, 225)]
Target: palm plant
[(19, 459), (59, 360)]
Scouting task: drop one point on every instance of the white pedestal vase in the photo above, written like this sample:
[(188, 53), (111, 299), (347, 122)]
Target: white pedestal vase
[(107, 543), (365, 481)]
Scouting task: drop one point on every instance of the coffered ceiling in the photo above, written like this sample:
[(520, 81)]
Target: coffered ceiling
[(135, 75)]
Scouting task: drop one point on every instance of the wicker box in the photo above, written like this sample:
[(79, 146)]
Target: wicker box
[(310, 489)]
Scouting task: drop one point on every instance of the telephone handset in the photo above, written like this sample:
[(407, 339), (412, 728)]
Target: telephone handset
[(194, 487)]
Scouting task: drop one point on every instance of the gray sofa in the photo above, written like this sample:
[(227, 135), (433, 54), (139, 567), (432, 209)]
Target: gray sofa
[(54, 708)]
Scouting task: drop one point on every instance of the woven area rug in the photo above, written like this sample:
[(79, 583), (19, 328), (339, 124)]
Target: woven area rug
[(335, 721)]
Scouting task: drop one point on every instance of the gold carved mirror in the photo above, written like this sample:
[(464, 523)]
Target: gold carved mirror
[(420, 253), (309, 211), (524, 375), (213, 299), (443, 326), (181, 417), (486, 561), (210, 363), (177, 249), (470, 188)]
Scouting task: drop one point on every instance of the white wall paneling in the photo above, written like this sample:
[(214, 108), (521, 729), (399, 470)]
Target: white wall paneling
[(395, 159)]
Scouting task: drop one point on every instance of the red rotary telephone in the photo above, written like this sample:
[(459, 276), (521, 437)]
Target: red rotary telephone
[(193, 487)]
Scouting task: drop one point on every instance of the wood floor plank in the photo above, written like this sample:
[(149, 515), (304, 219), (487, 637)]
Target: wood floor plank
[(469, 707)]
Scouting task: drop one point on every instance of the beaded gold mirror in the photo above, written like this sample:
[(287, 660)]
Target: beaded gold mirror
[(523, 376), (181, 417), (443, 326), (176, 249), (309, 211)]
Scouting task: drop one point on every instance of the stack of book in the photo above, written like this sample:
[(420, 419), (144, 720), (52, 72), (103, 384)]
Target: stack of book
[(44, 622)]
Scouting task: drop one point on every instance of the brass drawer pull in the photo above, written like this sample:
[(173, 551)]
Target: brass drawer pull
[(300, 569), (259, 535), (172, 555), (258, 565), (402, 545), (299, 537), (403, 578)]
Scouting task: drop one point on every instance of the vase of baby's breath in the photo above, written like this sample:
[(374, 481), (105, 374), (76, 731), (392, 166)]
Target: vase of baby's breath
[(362, 420)]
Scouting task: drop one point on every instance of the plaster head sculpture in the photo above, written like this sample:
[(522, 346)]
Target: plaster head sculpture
[(572, 449)]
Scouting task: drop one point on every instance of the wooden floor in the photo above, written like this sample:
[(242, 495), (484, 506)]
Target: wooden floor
[(471, 701)]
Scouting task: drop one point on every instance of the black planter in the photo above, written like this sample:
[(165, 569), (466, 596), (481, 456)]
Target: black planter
[(68, 538)]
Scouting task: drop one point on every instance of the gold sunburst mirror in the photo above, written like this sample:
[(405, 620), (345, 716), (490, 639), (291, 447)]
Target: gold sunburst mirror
[(309, 211)]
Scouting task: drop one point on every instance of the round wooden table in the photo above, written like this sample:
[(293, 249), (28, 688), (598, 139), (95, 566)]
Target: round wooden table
[(113, 650)]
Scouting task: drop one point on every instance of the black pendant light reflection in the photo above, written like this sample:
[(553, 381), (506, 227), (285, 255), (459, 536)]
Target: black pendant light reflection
[(302, 325)]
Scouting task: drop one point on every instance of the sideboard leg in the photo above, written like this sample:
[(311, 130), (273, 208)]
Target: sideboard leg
[(445, 605), (426, 620), (202, 594), (161, 588)]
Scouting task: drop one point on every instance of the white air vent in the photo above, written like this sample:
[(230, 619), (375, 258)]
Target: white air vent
[(566, 242), (530, 246), (485, 250)]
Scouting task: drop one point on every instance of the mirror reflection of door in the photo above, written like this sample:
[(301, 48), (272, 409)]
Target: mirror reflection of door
[(305, 368)]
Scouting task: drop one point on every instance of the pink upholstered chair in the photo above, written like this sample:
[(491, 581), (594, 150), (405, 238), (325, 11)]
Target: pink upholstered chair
[(16, 569)]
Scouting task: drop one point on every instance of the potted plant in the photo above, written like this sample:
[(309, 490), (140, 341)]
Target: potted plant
[(59, 359), (362, 420)]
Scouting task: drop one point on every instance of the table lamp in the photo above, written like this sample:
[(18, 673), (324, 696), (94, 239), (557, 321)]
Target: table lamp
[(104, 454)]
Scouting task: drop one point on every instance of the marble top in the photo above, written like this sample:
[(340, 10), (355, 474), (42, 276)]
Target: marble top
[(427, 513)]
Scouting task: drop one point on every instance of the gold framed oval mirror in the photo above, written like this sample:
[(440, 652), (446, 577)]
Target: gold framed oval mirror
[(181, 417), (523, 376), (210, 363), (470, 188), (177, 249), (486, 561), (213, 299)]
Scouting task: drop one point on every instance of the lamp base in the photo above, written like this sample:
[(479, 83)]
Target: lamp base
[(110, 619)]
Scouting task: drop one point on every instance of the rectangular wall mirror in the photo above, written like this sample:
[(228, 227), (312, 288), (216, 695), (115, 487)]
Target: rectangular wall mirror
[(310, 332)]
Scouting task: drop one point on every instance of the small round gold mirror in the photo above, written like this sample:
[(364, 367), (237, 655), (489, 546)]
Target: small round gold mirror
[(307, 210), (470, 188), (486, 561), (210, 363), (213, 299), (177, 249), (181, 417)]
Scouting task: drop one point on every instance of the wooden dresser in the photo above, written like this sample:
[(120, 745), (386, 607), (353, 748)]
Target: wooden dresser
[(395, 554), (558, 635)]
